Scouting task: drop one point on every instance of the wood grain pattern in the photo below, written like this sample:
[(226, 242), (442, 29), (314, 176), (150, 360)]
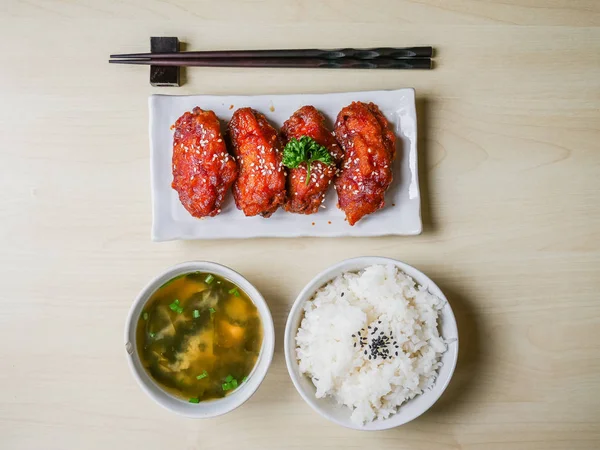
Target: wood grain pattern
[(510, 157)]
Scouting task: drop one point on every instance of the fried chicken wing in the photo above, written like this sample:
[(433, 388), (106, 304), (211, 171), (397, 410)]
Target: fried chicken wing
[(305, 198), (369, 149), (203, 170), (260, 187)]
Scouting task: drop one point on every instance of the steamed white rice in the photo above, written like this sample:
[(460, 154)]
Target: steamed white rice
[(381, 297)]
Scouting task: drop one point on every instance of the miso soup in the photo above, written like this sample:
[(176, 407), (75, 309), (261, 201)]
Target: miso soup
[(199, 336)]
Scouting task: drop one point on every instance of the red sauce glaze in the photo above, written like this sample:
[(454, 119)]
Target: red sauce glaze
[(369, 149), (303, 198), (203, 170), (260, 187)]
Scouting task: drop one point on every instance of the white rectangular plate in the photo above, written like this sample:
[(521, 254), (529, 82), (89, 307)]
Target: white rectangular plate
[(401, 214)]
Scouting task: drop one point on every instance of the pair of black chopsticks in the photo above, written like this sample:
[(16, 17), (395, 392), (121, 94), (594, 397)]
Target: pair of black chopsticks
[(346, 58)]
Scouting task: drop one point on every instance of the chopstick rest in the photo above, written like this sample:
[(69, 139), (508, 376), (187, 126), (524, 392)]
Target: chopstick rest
[(164, 75)]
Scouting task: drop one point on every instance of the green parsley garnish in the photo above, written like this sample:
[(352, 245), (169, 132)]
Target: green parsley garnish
[(145, 315), (194, 400), (212, 311), (305, 150), (229, 378), (196, 314), (244, 379), (226, 386), (175, 306), (209, 279), (202, 375), (235, 292), (152, 334), (233, 384)]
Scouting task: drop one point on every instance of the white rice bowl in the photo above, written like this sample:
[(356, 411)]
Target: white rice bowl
[(406, 316)]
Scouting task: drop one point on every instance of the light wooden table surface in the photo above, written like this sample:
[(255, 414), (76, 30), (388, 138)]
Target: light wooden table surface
[(509, 127)]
